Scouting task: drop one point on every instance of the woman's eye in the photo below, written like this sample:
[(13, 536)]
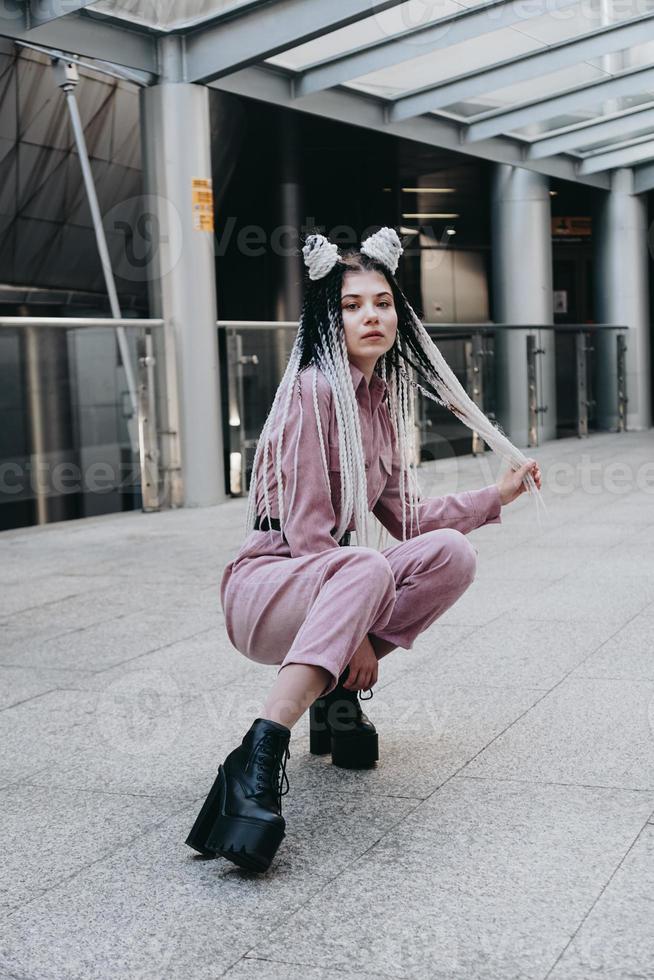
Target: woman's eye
[(384, 302), (351, 306)]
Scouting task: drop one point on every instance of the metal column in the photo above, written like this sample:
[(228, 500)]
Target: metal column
[(522, 293), (177, 165), (621, 277)]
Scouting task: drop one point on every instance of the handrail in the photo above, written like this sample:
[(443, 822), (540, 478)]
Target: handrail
[(462, 328), (77, 322), (82, 322)]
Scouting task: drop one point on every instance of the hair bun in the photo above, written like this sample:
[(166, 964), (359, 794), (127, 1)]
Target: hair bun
[(385, 247), (320, 256)]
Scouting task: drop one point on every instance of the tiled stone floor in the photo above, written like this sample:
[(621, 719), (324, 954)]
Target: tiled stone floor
[(507, 831)]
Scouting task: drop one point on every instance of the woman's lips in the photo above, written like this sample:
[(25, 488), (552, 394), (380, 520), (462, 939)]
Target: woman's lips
[(373, 336)]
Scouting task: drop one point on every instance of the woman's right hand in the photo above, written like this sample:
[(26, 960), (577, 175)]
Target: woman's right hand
[(364, 668)]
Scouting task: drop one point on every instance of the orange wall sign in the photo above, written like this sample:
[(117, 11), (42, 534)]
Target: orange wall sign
[(202, 203)]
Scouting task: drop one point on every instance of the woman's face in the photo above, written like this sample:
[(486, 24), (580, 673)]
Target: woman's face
[(368, 308)]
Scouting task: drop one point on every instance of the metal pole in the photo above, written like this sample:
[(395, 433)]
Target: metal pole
[(67, 79), (534, 409), (36, 417), (147, 423), (474, 353), (622, 382), (582, 393)]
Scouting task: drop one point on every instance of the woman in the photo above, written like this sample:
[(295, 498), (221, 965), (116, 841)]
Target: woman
[(337, 445)]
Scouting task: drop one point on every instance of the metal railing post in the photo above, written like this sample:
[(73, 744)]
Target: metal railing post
[(474, 354), (147, 425), (532, 392), (622, 382), (581, 379), (533, 408)]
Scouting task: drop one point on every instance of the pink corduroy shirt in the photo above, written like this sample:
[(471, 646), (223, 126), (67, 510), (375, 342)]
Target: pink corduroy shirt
[(315, 511)]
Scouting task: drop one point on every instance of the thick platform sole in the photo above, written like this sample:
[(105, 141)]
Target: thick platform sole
[(197, 838), (355, 751), (348, 751), (251, 844)]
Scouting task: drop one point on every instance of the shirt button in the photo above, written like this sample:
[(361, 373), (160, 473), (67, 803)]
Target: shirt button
[(367, 464)]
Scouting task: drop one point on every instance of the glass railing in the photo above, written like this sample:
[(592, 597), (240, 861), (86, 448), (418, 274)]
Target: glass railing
[(79, 432), (255, 354), (86, 430)]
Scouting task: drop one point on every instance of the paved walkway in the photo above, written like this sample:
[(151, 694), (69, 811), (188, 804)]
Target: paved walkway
[(506, 833)]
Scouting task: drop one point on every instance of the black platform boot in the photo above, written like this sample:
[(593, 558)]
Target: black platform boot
[(241, 819), (337, 724)]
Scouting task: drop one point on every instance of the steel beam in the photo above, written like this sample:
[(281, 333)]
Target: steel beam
[(493, 16), (44, 11), (344, 105), (593, 131), (506, 120), (81, 34), (626, 157), (553, 58), (260, 32)]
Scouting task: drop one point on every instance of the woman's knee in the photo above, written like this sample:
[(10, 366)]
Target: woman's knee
[(373, 567), (460, 554)]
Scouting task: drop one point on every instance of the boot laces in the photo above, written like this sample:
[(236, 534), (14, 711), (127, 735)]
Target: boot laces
[(272, 760)]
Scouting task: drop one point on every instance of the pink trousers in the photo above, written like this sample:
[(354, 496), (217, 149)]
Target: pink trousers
[(316, 609)]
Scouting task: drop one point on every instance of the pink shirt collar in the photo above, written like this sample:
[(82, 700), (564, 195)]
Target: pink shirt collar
[(378, 388)]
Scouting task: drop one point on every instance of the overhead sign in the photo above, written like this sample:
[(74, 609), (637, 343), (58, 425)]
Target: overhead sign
[(567, 227)]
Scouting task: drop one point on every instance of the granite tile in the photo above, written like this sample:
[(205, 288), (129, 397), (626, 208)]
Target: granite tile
[(585, 731), (616, 938), (485, 880), (49, 834)]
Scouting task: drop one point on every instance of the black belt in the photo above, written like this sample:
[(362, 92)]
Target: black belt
[(261, 524)]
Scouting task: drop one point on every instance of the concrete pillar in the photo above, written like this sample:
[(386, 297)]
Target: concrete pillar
[(621, 287), (522, 294), (176, 151)]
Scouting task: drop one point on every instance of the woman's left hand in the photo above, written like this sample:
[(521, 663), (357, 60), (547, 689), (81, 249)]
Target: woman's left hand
[(511, 484)]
